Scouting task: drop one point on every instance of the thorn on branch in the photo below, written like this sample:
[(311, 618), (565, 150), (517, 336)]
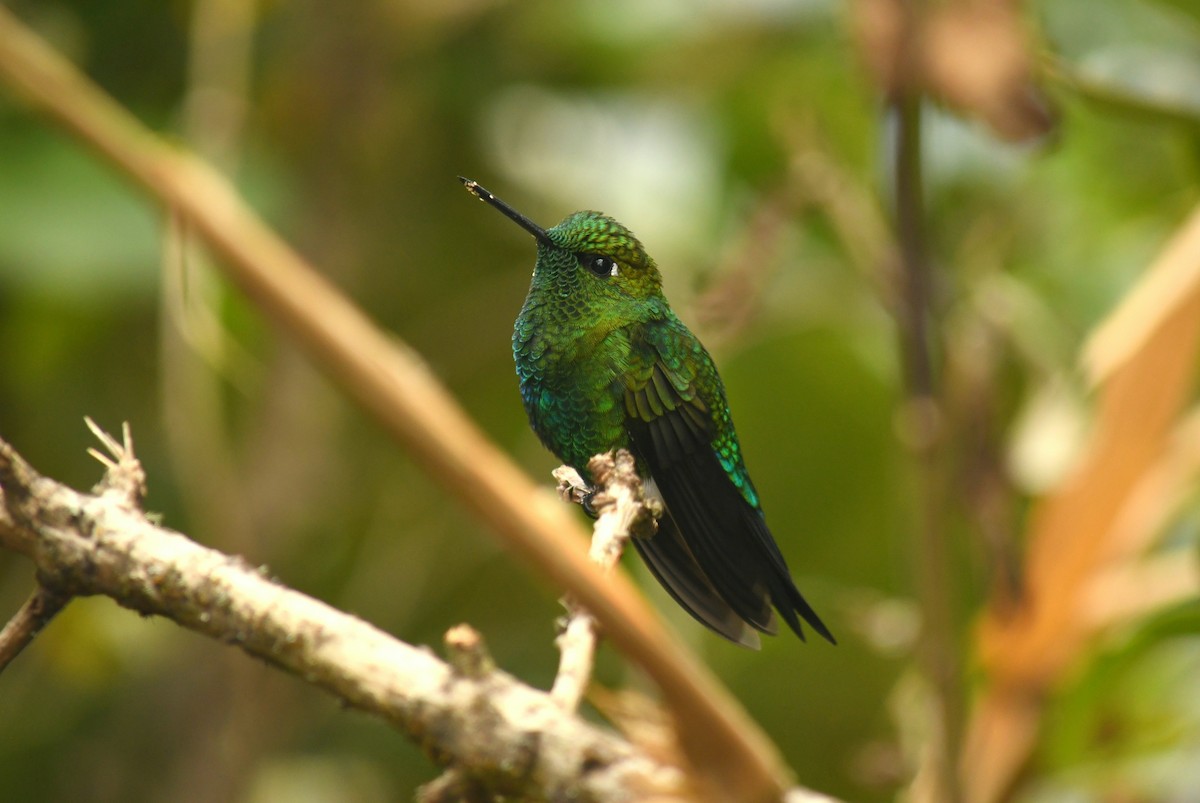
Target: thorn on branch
[(16, 477), (454, 786), (123, 472), (467, 652)]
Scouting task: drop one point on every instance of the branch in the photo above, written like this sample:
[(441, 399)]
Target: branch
[(621, 510), (726, 749), (42, 606), (481, 720), (923, 413)]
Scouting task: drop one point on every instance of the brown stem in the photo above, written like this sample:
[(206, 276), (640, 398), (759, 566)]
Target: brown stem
[(42, 606), (922, 419)]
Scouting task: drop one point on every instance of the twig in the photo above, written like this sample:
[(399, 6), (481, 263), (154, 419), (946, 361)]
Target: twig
[(922, 413), (124, 480), (800, 795), (727, 750), (577, 656), (454, 786), (43, 604), (621, 509), (489, 724), (467, 653)]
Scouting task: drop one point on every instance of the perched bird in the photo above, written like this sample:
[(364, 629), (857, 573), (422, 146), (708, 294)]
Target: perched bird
[(603, 364)]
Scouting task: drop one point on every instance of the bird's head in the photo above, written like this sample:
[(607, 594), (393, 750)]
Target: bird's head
[(588, 255)]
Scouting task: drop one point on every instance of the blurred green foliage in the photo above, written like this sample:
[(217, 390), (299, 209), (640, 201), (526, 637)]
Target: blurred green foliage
[(684, 120)]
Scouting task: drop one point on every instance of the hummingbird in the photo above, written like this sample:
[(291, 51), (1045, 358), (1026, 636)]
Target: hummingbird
[(604, 363)]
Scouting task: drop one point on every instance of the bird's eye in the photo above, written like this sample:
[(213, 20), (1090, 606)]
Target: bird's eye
[(599, 265)]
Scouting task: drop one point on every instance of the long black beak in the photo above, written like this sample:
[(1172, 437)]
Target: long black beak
[(479, 192)]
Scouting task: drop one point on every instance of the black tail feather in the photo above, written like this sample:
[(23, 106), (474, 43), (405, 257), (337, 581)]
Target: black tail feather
[(723, 548), (669, 559)]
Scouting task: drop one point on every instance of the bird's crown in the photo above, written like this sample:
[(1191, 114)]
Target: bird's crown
[(589, 232)]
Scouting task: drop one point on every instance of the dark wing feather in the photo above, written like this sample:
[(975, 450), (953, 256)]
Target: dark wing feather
[(720, 561), (672, 564)]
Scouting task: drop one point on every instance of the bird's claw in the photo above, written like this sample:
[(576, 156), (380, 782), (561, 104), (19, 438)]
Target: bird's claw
[(589, 503)]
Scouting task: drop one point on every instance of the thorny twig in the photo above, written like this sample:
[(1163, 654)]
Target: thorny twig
[(124, 482), (622, 511), (464, 711)]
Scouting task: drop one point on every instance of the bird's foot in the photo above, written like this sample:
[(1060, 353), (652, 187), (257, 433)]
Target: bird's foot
[(571, 485), (588, 502)]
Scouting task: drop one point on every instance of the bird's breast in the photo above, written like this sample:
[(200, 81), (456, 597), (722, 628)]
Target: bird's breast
[(568, 379)]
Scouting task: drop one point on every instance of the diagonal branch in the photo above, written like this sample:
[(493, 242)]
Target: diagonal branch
[(483, 720), (42, 606)]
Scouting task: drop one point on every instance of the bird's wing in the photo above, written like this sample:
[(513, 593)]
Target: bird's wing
[(672, 563), (720, 557)]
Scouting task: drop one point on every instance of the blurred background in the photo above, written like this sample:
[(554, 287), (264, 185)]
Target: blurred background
[(749, 145)]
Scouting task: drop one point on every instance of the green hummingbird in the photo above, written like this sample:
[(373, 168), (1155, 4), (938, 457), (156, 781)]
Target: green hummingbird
[(603, 364)]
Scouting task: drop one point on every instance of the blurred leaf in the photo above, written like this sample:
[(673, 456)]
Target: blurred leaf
[(1140, 57), (68, 227)]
